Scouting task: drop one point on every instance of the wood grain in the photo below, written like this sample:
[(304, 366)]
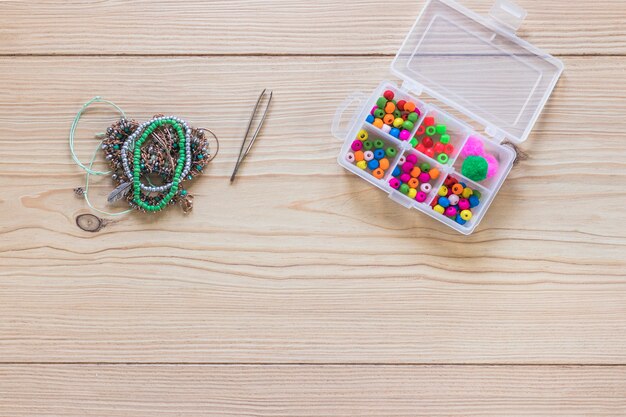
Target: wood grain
[(278, 27), (329, 391), (300, 261)]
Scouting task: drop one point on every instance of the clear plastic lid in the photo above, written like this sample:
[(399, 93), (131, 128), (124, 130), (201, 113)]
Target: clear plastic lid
[(479, 66)]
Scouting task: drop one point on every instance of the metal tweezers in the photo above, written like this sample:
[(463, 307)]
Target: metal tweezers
[(242, 153)]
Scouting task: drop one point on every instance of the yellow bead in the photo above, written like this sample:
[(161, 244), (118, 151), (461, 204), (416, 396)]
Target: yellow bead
[(398, 122), (361, 164), (443, 191), (466, 215), (439, 209), (412, 192), (467, 192), (362, 135)]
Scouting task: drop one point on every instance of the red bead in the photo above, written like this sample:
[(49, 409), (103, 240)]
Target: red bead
[(388, 95), (439, 147), (448, 149), (400, 105), (427, 142), (421, 148), (430, 152), (429, 121), (450, 181), (420, 130)]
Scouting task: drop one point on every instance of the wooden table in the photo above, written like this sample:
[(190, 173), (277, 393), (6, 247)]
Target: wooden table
[(301, 290)]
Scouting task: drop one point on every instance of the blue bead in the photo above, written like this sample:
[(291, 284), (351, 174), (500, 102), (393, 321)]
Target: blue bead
[(395, 132), (373, 164), (379, 153), (473, 200), (397, 171), (370, 119), (444, 202), (463, 184), (459, 220)]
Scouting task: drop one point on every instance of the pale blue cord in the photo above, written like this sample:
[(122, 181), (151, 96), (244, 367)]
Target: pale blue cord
[(88, 169)]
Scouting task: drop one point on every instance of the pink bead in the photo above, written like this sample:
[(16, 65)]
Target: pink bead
[(411, 158), (357, 145), (407, 166), (405, 177), (450, 211), (368, 155), (386, 128), (350, 157), (454, 199), (426, 187), (424, 177), (421, 196), (402, 160), (405, 135), (493, 165), (394, 183), (464, 204), (473, 147), (373, 110)]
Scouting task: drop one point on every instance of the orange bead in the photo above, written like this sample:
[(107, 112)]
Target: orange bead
[(384, 163), (457, 188), (413, 183), (390, 107), (416, 171), (434, 173), (378, 123), (358, 156), (409, 106), (378, 173), (388, 119)]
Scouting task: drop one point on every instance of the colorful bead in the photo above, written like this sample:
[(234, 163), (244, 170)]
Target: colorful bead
[(350, 157), (412, 117), (398, 122), (466, 215), (467, 192), (379, 113), (431, 130), (413, 183), (395, 132), (424, 177), (440, 129), (407, 167), (459, 220), (434, 173), (427, 142), (444, 139), (378, 123), (453, 199), (411, 159), (386, 128), (361, 164), (378, 173), (370, 119), (400, 104), (408, 125), (457, 189), (362, 135), (426, 187), (379, 153), (391, 152), (394, 183), (396, 171), (439, 209), (416, 172), (442, 158), (443, 202), (450, 211), (402, 159), (425, 166), (378, 143), (368, 155), (405, 177), (381, 102), (429, 121), (443, 191), (358, 156), (367, 145), (420, 130), (373, 164), (473, 201), (384, 163), (388, 95), (412, 193), (421, 196), (357, 145), (409, 106), (405, 135), (404, 188), (388, 119), (463, 204)]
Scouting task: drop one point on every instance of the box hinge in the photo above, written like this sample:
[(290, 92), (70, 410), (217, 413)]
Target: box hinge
[(495, 133), (401, 199), (508, 14), (412, 87)]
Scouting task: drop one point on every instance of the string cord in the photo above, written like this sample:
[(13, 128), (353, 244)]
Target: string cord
[(89, 168)]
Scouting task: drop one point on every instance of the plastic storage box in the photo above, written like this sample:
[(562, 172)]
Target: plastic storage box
[(473, 64)]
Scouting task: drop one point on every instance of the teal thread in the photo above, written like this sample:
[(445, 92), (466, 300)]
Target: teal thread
[(89, 169)]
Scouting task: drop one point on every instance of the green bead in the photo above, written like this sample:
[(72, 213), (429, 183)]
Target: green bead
[(183, 192), (431, 130), (396, 114), (378, 144), (367, 145), (443, 158), (425, 167), (445, 139), (408, 125), (441, 129), (412, 117), (404, 188), (391, 152), (381, 102), (413, 142)]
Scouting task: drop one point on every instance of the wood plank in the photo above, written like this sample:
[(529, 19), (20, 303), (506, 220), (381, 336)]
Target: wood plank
[(277, 26), (300, 261), (329, 391)]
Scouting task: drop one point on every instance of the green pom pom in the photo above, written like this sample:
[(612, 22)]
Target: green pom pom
[(475, 168)]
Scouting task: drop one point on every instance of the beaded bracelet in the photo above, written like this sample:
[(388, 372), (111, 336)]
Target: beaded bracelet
[(164, 152)]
